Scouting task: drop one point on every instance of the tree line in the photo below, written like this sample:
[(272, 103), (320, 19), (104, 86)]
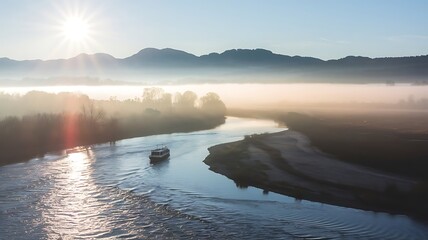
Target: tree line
[(65, 120)]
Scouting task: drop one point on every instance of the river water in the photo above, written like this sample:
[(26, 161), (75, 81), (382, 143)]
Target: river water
[(114, 192)]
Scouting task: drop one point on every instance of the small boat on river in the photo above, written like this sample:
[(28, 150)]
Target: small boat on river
[(159, 154)]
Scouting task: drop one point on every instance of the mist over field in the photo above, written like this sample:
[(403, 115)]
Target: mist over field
[(244, 78), (266, 95), (222, 119)]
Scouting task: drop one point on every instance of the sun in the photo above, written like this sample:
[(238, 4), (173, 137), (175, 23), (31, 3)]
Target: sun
[(76, 29)]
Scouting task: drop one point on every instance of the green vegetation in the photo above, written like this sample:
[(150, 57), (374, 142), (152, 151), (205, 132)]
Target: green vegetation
[(39, 122)]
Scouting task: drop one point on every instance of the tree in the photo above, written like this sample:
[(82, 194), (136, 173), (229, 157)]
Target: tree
[(91, 119), (165, 101), (156, 98), (91, 114), (211, 103), (151, 96), (186, 100)]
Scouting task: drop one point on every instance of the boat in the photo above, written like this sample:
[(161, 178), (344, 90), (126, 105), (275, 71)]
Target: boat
[(159, 154)]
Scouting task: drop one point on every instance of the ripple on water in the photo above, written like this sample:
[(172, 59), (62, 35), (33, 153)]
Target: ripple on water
[(112, 192)]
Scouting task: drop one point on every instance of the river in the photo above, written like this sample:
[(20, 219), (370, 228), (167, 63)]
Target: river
[(112, 191)]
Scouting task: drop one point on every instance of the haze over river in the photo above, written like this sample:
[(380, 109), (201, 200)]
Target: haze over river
[(255, 94), (112, 191)]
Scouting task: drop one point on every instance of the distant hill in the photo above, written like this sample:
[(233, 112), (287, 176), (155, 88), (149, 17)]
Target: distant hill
[(236, 65)]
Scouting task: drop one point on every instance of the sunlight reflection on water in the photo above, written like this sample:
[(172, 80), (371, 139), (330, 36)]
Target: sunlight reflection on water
[(72, 208), (114, 192)]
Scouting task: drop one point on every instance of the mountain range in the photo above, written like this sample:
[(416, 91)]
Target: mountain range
[(237, 65)]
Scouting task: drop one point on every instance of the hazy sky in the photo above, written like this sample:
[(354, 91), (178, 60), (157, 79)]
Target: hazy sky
[(326, 29)]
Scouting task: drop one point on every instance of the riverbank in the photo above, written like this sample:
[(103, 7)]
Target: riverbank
[(38, 122), (286, 163), (29, 137)]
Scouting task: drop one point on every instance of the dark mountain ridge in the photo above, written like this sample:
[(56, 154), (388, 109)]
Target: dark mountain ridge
[(235, 61)]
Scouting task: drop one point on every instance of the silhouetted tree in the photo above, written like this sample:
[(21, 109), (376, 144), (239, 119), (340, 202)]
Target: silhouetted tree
[(184, 101), (156, 98), (91, 120), (71, 120), (211, 103), (151, 96), (164, 102)]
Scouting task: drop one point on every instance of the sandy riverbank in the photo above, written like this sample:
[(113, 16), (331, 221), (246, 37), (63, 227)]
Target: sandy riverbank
[(286, 163)]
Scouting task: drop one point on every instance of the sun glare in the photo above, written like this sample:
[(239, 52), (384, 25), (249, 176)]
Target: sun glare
[(76, 29)]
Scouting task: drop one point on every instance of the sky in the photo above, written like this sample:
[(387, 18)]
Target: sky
[(327, 29)]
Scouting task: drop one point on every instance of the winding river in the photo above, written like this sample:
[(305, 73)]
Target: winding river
[(112, 191)]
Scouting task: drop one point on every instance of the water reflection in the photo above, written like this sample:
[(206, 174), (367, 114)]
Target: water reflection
[(72, 207), (113, 192), (79, 163)]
